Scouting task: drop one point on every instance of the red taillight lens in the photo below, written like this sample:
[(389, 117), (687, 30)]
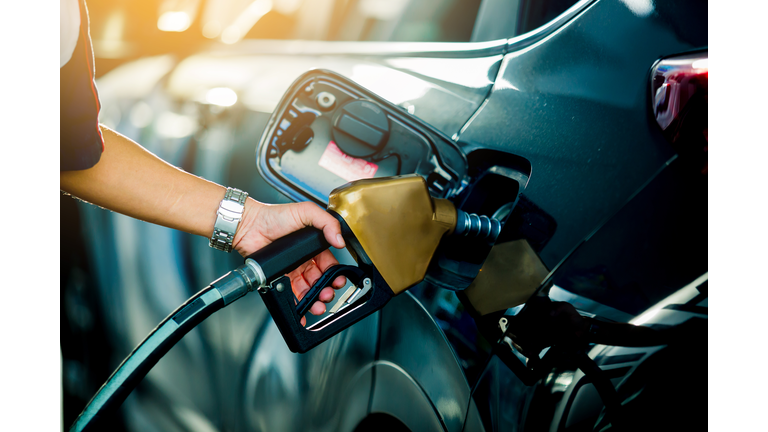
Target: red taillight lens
[(679, 93)]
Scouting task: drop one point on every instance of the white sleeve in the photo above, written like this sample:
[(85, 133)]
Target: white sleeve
[(70, 29)]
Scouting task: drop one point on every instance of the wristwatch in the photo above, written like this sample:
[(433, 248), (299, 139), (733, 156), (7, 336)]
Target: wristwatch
[(227, 218)]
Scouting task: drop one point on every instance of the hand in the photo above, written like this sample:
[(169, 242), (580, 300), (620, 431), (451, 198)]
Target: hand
[(264, 223)]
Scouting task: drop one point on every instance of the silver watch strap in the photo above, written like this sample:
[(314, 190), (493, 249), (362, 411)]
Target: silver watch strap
[(227, 219)]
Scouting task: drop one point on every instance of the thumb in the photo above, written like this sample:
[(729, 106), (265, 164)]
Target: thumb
[(312, 215)]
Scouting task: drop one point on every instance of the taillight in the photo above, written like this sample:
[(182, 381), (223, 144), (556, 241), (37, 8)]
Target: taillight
[(679, 99)]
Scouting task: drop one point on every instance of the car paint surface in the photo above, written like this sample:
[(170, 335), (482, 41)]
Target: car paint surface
[(576, 105), (439, 375)]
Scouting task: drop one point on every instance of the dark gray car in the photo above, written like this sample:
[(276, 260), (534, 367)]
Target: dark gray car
[(615, 211)]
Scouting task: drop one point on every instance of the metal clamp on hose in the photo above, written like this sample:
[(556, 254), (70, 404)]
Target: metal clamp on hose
[(240, 281)]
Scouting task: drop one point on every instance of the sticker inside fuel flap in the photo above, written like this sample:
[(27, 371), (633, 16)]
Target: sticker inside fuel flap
[(345, 166)]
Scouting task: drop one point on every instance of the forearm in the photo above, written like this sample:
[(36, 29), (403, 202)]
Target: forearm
[(130, 180)]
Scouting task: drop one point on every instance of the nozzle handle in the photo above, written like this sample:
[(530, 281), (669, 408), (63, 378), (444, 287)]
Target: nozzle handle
[(300, 339), (286, 253)]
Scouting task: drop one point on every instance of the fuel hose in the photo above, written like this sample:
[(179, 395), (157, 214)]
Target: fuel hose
[(261, 267)]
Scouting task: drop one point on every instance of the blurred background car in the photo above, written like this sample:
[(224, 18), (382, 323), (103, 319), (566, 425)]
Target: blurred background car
[(617, 207)]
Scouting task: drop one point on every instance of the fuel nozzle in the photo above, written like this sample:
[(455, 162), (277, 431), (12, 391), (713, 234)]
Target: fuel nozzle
[(392, 227)]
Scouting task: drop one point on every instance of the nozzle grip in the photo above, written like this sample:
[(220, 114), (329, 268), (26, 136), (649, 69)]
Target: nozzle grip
[(286, 253)]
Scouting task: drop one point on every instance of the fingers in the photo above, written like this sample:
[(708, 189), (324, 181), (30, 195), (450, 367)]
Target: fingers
[(307, 275), (312, 273), (299, 285), (326, 260), (327, 295), (312, 215), (317, 309), (304, 277)]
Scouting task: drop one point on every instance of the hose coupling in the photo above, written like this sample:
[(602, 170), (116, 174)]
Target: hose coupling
[(240, 281)]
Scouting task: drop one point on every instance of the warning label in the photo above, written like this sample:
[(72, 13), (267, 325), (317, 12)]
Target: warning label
[(345, 166)]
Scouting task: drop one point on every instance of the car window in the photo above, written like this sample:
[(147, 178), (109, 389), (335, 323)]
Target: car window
[(344, 20), (410, 20), (391, 20), (122, 31), (501, 19), (534, 14)]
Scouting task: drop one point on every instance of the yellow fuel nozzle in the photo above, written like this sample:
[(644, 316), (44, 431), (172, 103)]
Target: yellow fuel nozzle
[(396, 223), (392, 227)]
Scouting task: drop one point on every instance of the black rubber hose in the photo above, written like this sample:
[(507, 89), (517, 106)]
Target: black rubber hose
[(141, 360), (275, 260)]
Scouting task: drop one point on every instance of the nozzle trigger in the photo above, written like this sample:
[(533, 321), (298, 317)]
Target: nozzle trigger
[(354, 274)]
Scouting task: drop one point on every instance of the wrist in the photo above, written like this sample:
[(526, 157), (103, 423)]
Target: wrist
[(251, 211)]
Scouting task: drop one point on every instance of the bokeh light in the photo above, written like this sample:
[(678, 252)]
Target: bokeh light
[(221, 96), (174, 21)]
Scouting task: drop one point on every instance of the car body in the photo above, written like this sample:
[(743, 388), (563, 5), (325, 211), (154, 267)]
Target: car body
[(570, 96)]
